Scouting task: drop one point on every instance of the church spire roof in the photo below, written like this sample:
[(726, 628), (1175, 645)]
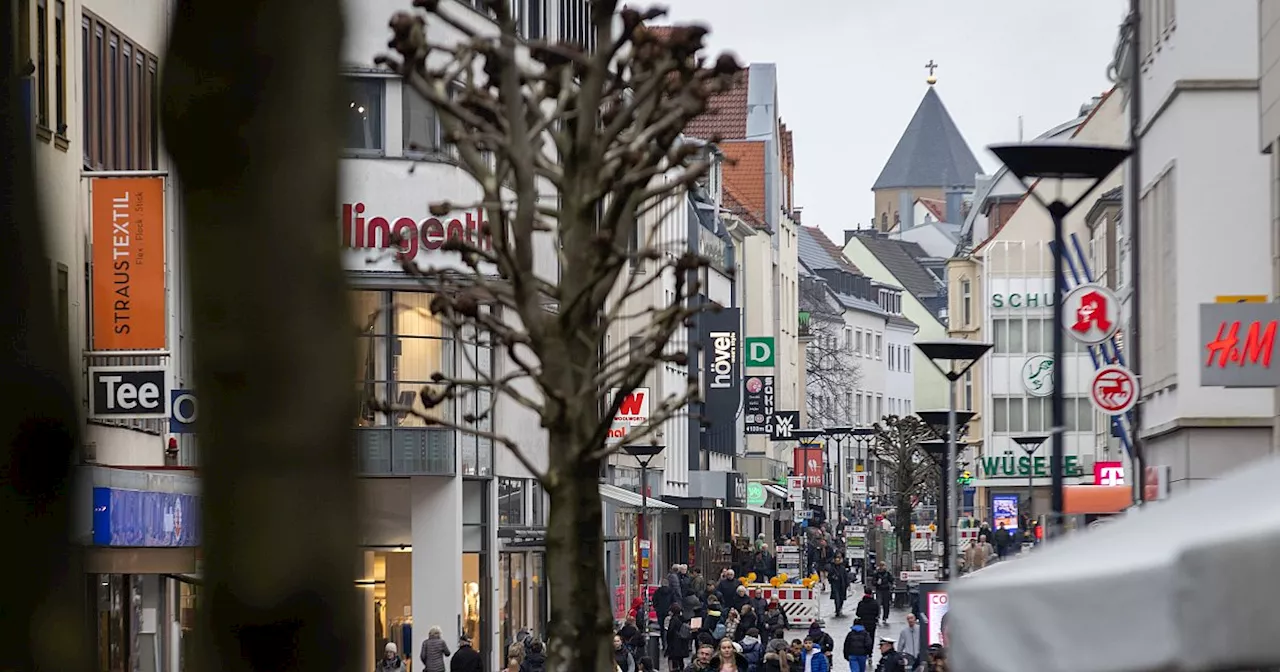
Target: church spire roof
[(931, 152)]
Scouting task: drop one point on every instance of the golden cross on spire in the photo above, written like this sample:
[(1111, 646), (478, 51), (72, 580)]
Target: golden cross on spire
[(931, 66)]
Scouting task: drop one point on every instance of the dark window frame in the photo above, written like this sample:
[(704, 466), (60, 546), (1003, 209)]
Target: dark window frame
[(380, 140), (60, 68), (120, 100), (42, 66)]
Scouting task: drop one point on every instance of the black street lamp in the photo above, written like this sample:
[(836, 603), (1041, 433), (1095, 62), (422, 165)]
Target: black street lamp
[(940, 450), (839, 435), (863, 436), (1032, 162), (962, 355), (644, 454), (1029, 444)]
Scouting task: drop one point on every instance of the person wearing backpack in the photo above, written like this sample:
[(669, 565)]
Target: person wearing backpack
[(677, 637), (753, 650), (858, 647)]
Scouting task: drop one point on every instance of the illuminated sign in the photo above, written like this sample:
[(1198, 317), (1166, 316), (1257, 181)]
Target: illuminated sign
[(1108, 473)]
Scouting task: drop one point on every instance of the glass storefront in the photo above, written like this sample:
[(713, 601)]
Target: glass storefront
[(393, 600), (522, 596), (119, 605)]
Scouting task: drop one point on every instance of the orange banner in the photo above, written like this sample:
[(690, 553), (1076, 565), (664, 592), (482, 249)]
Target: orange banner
[(127, 219)]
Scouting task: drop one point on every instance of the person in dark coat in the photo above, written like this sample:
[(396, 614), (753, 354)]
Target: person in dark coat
[(838, 575), (677, 637), (467, 659), (867, 613), (883, 582)]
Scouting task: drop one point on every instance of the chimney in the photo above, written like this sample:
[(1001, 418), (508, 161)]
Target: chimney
[(906, 210), (795, 215), (955, 205)]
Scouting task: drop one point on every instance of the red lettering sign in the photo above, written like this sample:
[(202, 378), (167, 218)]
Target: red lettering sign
[(1092, 312), (411, 235), (1257, 348), (632, 404)]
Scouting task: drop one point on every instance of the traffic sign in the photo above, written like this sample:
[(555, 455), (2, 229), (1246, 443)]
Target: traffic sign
[(1114, 389), (795, 489), (1092, 313)]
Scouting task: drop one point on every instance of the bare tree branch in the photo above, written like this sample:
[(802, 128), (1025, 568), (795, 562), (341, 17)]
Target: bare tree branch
[(832, 372)]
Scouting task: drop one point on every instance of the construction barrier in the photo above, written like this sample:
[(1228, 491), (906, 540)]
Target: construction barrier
[(800, 604), (921, 541)]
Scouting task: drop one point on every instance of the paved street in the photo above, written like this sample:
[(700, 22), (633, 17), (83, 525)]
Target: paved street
[(839, 627)]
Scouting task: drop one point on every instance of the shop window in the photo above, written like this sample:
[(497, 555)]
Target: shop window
[(399, 347), (511, 496), (473, 621), (363, 125)]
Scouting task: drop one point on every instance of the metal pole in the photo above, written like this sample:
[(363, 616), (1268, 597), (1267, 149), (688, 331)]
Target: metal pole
[(839, 483), (644, 536), (1058, 211), (953, 505), (1133, 344)]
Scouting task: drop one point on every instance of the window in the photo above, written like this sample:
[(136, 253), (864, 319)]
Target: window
[(22, 29), (1007, 414), (42, 65), (423, 134), (398, 351), (86, 94), (879, 345), (879, 407), (968, 390), (511, 502), (1159, 267), (857, 407), (966, 303), (120, 80), (60, 66), (63, 289), (538, 504), (848, 339), (857, 342), (363, 126)]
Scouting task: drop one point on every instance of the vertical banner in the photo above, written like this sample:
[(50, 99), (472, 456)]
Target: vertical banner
[(810, 463), (722, 378), (127, 220)]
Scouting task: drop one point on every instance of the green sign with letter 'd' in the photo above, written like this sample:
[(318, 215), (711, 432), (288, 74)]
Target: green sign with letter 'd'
[(1010, 466), (759, 351)]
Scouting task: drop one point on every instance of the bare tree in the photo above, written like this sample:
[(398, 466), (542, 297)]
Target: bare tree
[(911, 472), (831, 371), (576, 153), (41, 620), (250, 112)]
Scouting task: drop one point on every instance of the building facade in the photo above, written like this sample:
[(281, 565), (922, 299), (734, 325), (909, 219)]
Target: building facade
[(1198, 68)]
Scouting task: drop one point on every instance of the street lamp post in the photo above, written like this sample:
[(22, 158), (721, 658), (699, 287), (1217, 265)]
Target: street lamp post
[(944, 423), (1032, 162), (839, 435), (1029, 445), (962, 354), (644, 454)]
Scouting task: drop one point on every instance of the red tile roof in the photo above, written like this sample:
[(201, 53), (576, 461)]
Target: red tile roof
[(743, 173), (832, 249), (726, 115), (936, 207)]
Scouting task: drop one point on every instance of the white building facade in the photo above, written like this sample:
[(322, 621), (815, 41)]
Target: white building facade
[(1199, 72)]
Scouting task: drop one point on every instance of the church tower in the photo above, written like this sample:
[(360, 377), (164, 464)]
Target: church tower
[(931, 158)]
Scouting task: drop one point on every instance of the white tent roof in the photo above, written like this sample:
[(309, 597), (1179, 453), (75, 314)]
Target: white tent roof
[(1187, 584)]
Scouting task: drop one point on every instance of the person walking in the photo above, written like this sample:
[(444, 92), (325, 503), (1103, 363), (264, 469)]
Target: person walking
[(622, 655), (867, 613), (390, 660), (728, 659), (1004, 541), (883, 582), (909, 641), (434, 651), (838, 573), (677, 636), (858, 645), (468, 660), (813, 659)]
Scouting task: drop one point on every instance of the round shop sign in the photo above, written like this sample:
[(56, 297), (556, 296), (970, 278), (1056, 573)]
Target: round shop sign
[(754, 385), (755, 494), (1114, 390), (1037, 376), (1091, 313)]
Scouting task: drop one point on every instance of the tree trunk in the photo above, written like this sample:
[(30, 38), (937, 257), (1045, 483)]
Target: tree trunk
[(41, 624), (251, 117), (581, 624), (902, 529)]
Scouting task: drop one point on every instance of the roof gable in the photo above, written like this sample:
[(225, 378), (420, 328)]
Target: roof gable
[(726, 115), (902, 259), (931, 152)]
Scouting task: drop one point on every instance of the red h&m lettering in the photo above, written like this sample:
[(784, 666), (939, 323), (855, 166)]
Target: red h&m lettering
[(410, 235), (631, 404), (1259, 344)]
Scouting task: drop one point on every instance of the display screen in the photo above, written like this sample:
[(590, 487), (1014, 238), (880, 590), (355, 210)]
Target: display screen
[(1004, 510), (937, 610)]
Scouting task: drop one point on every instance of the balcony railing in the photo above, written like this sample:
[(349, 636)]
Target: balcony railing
[(804, 324), (405, 451)]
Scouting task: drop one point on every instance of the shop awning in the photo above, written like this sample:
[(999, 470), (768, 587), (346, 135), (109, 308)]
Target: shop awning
[(629, 499), (776, 491), (753, 511)]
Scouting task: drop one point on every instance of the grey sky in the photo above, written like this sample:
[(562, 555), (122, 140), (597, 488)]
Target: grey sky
[(851, 73)]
